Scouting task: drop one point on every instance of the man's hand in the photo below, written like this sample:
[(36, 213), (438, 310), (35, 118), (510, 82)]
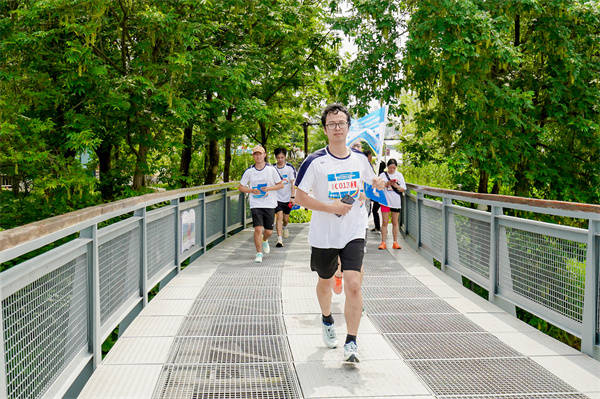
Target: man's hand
[(256, 191), (379, 183), (362, 198), (339, 208)]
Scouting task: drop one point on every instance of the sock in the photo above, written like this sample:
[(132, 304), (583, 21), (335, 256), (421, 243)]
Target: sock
[(279, 238), (327, 320), (350, 338)]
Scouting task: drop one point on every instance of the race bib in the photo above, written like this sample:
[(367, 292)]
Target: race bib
[(340, 184), (285, 180), (260, 188)]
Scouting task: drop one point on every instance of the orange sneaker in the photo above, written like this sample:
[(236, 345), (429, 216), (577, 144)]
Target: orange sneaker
[(382, 246), (396, 245), (337, 284)]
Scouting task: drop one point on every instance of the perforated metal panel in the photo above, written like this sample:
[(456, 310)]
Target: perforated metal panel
[(238, 292), (234, 211), (411, 211), (229, 279), (431, 229), (160, 244), (450, 346), (216, 326), (375, 292), (45, 326), (488, 377), (119, 261), (547, 270), (232, 350), (214, 217), (261, 380), (230, 307), (382, 280), (198, 211), (527, 396), (403, 306), (469, 244)]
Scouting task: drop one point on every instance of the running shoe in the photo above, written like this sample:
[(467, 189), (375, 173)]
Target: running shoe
[(337, 284), (396, 245), (351, 352), (382, 246), (258, 257), (265, 247), (279, 243), (286, 233), (329, 337)]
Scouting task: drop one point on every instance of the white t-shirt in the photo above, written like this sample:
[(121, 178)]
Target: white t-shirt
[(330, 178), (266, 177), (393, 199), (288, 174)]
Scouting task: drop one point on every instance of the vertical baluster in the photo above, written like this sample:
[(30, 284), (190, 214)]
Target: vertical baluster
[(177, 234), (590, 299), (444, 250), (94, 339), (494, 245), (3, 365), (203, 222), (419, 205), (143, 255), (225, 213)]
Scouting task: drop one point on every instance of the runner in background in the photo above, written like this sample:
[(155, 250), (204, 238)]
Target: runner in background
[(285, 196), (258, 181), (394, 187)]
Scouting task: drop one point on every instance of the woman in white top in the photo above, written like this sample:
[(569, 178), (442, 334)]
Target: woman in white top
[(394, 185)]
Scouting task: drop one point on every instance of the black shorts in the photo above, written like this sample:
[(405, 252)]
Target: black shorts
[(284, 207), (324, 261), (263, 217)]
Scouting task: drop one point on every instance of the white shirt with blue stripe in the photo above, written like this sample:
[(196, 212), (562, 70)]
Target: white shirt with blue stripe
[(328, 178)]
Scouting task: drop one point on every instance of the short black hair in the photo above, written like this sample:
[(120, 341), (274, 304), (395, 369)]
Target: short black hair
[(392, 161), (367, 151), (334, 109), (280, 150)]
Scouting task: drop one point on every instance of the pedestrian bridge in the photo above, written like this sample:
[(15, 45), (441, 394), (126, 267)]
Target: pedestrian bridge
[(222, 326)]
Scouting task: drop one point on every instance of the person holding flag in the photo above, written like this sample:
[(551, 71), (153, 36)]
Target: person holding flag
[(336, 175)]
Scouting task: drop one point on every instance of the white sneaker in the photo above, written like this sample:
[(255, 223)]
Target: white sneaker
[(265, 247), (286, 233), (329, 337), (351, 352), (279, 242), (258, 258)]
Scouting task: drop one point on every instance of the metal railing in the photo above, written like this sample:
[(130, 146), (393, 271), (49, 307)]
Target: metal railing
[(547, 269), (58, 307)]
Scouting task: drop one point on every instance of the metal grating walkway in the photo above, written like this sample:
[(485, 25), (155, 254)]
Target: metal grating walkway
[(229, 328)]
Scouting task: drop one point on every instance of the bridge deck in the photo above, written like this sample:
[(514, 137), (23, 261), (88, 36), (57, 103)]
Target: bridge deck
[(227, 327)]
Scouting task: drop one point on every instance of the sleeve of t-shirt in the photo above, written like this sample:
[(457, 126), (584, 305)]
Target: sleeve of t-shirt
[(307, 179), (401, 181), (368, 173), (293, 174), (276, 175), (245, 180)]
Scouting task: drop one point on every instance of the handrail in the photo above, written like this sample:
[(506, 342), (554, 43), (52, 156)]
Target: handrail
[(548, 269), (79, 219), (503, 200)]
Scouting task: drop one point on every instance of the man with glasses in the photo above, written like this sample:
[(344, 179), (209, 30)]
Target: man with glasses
[(336, 176)]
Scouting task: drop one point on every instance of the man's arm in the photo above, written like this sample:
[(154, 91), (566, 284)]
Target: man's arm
[(336, 207), (248, 190), (278, 186)]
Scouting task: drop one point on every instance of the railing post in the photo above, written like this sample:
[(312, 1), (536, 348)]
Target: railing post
[(3, 365), (94, 294), (177, 234), (143, 255), (243, 202), (419, 202), (590, 300), (494, 244), (225, 213), (404, 210), (444, 254), (203, 227)]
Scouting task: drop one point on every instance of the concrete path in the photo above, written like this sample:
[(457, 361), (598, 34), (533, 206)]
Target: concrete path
[(226, 327)]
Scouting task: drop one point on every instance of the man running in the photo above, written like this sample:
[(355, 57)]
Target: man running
[(258, 180), (336, 175), (285, 196)]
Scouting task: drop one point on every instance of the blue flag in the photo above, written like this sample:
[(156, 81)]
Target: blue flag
[(371, 129), (375, 195)]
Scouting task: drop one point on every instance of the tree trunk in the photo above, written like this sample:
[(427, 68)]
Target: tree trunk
[(226, 169), (140, 167), (107, 187), (305, 128), (213, 162), (186, 155), (483, 182), (263, 135)]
